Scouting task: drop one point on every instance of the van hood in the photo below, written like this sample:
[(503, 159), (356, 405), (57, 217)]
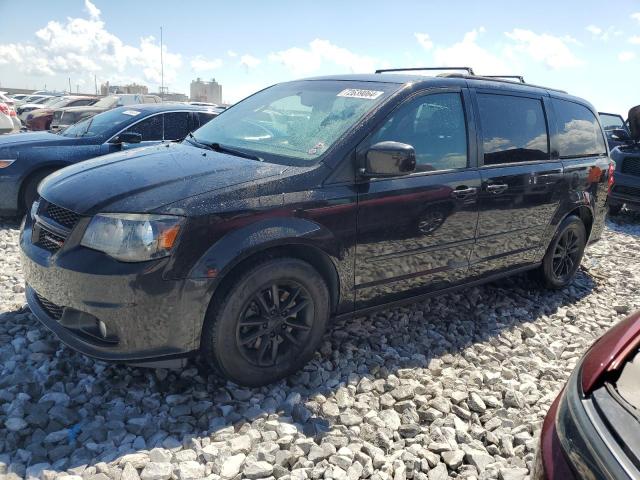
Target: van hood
[(144, 179)]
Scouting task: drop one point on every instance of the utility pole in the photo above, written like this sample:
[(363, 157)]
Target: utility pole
[(95, 82), (70, 91), (161, 68)]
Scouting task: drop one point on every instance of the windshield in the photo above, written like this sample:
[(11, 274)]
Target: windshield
[(297, 120), (57, 102), (101, 123), (610, 122), (106, 102)]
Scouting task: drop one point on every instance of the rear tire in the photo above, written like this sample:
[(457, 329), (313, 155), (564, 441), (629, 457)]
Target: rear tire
[(30, 190), (614, 208), (564, 254), (268, 324)]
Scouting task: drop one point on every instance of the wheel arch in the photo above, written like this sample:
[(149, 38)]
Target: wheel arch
[(49, 167)]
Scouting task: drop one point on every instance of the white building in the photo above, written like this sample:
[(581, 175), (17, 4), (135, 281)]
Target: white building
[(202, 91)]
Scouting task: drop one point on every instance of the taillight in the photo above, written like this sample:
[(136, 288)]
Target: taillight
[(12, 112), (612, 169), (610, 351), (4, 108)]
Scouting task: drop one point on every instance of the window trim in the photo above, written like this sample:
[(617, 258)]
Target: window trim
[(471, 132), (509, 93)]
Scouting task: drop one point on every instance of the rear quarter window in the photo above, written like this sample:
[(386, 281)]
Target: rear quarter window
[(579, 134)]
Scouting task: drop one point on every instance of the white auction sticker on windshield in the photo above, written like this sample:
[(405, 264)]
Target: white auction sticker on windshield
[(359, 93), (133, 113)]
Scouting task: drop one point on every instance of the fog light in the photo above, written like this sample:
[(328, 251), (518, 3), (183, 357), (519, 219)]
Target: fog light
[(103, 328)]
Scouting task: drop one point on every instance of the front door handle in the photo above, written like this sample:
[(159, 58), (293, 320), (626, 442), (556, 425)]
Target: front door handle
[(497, 188), (463, 191)]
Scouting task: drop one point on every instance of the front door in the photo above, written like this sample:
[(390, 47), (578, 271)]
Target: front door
[(521, 185), (415, 232)]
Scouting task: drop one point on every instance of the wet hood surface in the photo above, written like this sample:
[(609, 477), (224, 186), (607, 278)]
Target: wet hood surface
[(145, 179), (35, 139)]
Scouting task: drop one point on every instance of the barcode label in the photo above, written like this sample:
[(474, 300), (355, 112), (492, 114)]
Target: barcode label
[(358, 93)]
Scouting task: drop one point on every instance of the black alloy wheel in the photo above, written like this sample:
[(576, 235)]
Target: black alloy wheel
[(275, 323), (564, 253), (266, 322)]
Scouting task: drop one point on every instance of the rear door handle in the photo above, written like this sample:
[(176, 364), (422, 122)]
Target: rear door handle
[(463, 191), (497, 188)]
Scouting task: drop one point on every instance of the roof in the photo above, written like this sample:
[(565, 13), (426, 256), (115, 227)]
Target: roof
[(453, 79), (163, 107)]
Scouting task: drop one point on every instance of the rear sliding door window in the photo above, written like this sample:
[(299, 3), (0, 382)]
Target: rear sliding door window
[(579, 133), (514, 129)]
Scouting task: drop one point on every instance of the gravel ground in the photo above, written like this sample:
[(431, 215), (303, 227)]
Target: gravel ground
[(456, 386)]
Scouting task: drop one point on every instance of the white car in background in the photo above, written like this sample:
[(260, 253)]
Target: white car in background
[(8, 109)]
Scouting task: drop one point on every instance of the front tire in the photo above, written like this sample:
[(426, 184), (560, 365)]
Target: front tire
[(564, 254), (268, 324), (30, 190)]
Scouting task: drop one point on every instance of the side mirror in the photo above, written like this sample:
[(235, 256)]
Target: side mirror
[(129, 137), (620, 134), (389, 159)]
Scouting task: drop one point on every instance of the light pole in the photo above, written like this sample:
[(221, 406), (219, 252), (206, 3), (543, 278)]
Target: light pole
[(161, 68)]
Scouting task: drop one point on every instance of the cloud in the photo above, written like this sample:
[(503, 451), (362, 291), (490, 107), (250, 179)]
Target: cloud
[(425, 40), (201, 64), (635, 40), (626, 56), (594, 30), (602, 34), (231, 53), (84, 47), (323, 53), (636, 16), (249, 61), (93, 11), (548, 49), (469, 53)]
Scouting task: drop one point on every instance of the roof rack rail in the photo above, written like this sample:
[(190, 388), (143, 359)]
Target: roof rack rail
[(469, 70), (520, 78)]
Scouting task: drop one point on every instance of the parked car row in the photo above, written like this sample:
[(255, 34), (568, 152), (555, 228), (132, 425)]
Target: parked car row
[(9, 121), (27, 158)]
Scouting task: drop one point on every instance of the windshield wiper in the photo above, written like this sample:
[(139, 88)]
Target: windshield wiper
[(216, 147)]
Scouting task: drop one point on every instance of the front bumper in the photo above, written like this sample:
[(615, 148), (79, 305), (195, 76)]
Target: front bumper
[(574, 441), (146, 318), (626, 189)]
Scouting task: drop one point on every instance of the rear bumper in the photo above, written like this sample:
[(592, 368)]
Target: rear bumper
[(146, 318)]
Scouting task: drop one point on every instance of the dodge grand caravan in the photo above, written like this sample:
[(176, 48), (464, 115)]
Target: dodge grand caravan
[(309, 200)]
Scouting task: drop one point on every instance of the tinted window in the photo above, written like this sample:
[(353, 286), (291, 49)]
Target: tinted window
[(150, 128), (204, 117), (81, 102), (176, 125), (513, 129), (434, 125), (579, 133)]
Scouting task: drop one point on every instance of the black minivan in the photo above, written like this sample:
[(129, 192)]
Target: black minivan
[(309, 200)]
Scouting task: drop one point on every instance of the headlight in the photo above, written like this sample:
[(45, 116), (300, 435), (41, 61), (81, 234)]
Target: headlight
[(132, 237)]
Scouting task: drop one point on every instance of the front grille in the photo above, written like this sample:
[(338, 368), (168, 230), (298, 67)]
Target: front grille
[(625, 190), (64, 217), (631, 166), (49, 240), (45, 232), (53, 310)]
